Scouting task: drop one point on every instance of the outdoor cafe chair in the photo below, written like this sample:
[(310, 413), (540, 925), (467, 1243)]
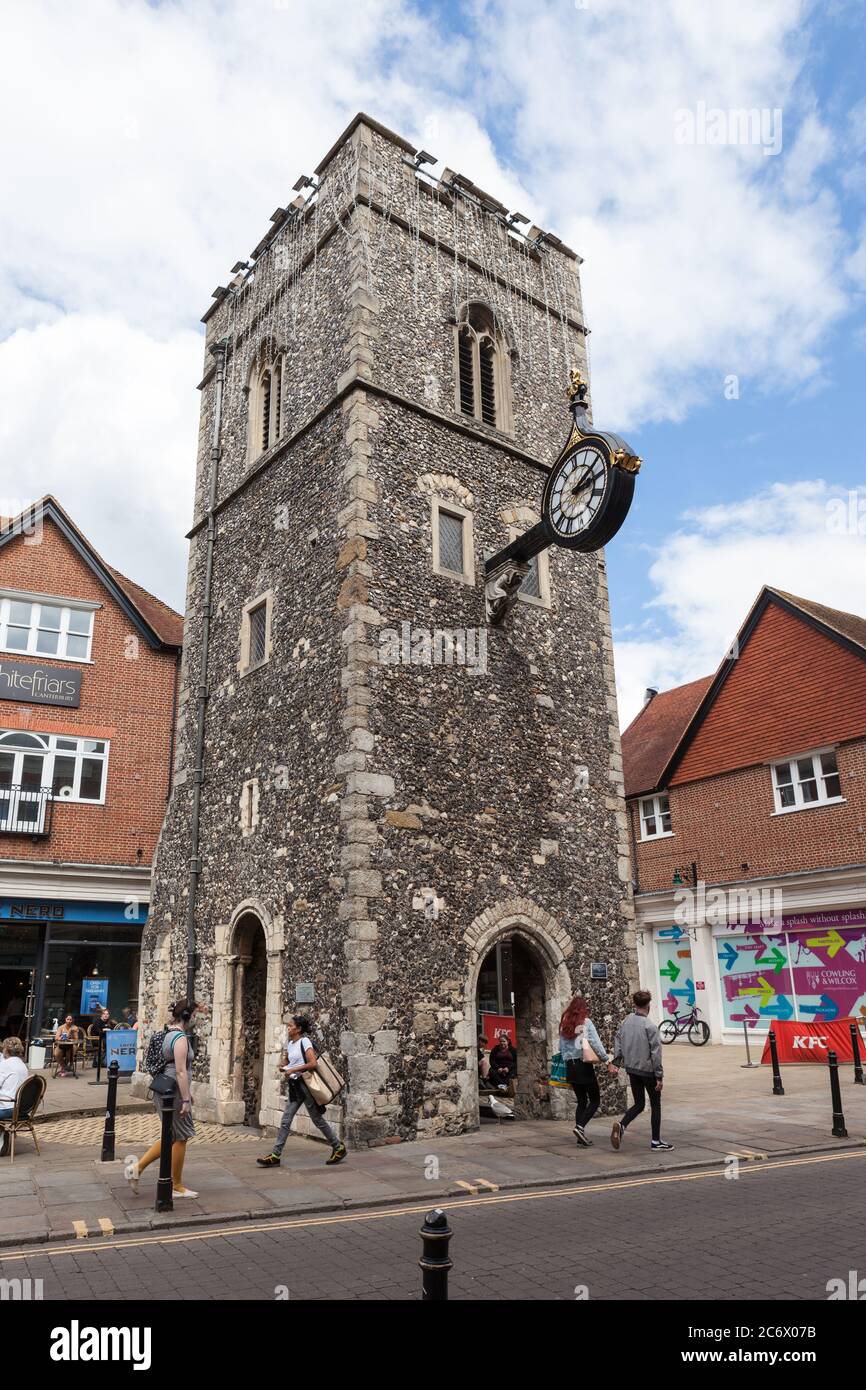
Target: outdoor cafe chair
[(28, 1098)]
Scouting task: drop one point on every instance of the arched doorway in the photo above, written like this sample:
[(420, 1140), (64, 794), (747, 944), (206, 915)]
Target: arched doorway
[(518, 964), (511, 999), (248, 1023)]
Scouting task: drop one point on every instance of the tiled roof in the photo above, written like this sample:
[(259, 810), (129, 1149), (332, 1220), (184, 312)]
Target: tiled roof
[(848, 625), (167, 624), (651, 737)]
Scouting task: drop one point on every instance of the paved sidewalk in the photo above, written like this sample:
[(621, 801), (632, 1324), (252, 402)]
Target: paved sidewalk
[(82, 1095), (712, 1109)]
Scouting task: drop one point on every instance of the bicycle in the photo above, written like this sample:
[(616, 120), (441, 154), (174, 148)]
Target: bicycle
[(694, 1028)]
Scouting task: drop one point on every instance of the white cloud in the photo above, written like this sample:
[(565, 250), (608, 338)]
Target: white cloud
[(808, 538)]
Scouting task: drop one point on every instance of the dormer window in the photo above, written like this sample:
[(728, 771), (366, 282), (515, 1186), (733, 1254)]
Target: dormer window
[(483, 378)]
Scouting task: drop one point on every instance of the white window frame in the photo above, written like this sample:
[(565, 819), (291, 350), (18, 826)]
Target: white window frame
[(245, 665), (657, 815), (50, 751), (67, 606), (542, 599), (818, 777), (462, 514)]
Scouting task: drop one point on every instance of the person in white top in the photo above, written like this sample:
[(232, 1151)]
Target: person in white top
[(300, 1056), (13, 1070)]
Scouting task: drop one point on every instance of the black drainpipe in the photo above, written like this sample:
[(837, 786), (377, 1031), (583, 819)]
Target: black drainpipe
[(219, 351)]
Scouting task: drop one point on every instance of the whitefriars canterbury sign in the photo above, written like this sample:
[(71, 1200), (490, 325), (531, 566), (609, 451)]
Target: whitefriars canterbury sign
[(40, 685)]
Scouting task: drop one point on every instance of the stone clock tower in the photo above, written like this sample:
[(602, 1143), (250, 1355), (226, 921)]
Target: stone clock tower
[(387, 811)]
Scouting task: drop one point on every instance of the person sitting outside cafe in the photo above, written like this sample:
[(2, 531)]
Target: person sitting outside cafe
[(127, 1018), (503, 1063), (98, 1029), (13, 1070), (65, 1038)]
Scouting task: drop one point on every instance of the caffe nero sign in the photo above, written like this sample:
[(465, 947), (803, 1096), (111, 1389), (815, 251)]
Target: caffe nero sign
[(40, 685)]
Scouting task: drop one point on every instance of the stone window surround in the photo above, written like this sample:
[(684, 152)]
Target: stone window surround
[(272, 366), (266, 598), (249, 806), (501, 367), (543, 561), (442, 504)]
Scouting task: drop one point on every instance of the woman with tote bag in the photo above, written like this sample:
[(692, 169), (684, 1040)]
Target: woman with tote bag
[(581, 1050), (301, 1059)]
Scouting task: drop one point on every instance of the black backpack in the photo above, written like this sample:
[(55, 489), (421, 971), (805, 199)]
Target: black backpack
[(155, 1060)]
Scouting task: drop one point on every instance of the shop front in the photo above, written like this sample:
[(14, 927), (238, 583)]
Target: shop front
[(60, 957), (807, 967)]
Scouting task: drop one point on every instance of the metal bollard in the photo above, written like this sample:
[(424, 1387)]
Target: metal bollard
[(164, 1200), (778, 1088), (110, 1111), (839, 1130), (748, 1062), (855, 1049), (435, 1264)]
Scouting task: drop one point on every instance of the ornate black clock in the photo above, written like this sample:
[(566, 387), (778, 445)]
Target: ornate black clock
[(586, 499)]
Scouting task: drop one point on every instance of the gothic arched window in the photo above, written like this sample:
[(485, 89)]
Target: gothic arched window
[(483, 379), (265, 404)]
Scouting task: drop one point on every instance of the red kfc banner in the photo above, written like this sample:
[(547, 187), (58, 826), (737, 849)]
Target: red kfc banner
[(494, 1025), (812, 1041)]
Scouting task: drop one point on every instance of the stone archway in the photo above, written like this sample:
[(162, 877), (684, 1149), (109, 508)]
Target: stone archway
[(544, 948), (247, 1017)]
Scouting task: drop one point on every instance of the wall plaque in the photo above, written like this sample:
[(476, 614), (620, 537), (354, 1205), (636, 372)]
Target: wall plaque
[(40, 685)]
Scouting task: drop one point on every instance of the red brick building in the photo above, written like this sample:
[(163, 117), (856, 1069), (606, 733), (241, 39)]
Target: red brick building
[(88, 680), (746, 795)]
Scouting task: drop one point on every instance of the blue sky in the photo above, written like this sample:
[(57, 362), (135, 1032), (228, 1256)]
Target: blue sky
[(153, 141)]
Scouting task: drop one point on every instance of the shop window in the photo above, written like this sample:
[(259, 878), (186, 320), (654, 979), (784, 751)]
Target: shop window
[(45, 627), (655, 817), (256, 633), (807, 781), (452, 541)]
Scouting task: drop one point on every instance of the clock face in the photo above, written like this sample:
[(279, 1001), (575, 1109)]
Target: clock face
[(576, 492)]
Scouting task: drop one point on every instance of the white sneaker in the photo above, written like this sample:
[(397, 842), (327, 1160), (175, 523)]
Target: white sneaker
[(132, 1178), (185, 1192)]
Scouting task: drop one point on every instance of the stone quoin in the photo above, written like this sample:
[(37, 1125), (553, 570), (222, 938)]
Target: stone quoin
[(398, 352)]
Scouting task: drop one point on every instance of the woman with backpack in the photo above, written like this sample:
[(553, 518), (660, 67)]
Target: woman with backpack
[(581, 1049), (177, 1055), (300, 1056)]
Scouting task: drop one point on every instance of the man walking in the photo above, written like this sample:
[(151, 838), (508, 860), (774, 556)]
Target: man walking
[(637, 1047)]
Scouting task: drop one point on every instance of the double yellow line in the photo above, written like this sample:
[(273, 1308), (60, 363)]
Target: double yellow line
[(349, 1218)]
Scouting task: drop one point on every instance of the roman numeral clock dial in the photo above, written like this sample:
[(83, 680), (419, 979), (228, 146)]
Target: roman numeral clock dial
[(586, 499)]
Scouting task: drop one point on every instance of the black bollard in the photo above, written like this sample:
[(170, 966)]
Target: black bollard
[(855, 1050), (164, 1200), (434, 1261), (778, 1088), (110, 1111), (839, 1130)]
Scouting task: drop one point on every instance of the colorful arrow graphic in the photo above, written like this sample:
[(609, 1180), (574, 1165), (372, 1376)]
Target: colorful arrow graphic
[(684, 955), (833, 941), (688, 993), (764, 988), (669, 1004), (783, 1008), (729, 955), (776, 958), (749, 1016), (675, 932), (826, 1009), (672, 971)]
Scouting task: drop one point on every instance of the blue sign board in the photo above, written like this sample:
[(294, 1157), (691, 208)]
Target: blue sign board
[(131, 912), (94, 995), (120, 1045)]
